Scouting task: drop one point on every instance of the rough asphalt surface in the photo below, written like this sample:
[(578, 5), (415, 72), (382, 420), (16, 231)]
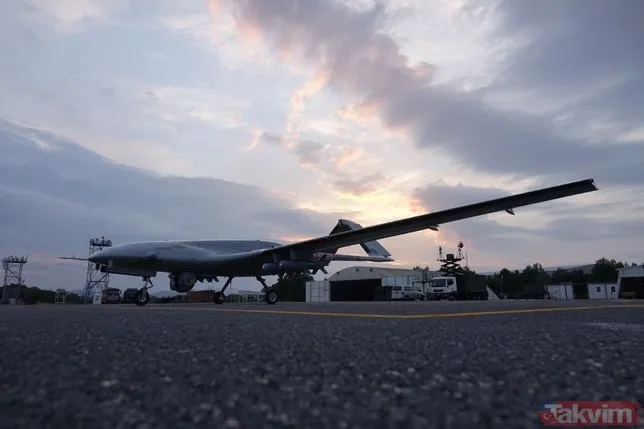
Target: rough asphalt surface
[(194, 366)]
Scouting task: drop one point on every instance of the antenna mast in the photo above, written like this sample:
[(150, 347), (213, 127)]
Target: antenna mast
[(450, 264)]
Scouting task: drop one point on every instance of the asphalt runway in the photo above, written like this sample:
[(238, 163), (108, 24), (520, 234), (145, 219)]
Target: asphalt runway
[(335, 365)]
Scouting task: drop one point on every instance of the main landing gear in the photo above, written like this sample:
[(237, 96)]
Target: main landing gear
[(270, 296), (219, 297), (142, 295)]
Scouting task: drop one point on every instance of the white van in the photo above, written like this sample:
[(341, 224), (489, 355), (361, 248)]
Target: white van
[(407, 292)]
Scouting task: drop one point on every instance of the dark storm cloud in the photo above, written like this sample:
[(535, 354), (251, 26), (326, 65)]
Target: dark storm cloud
[(590, 47), (53, 201), (369, 65), (575, 42)]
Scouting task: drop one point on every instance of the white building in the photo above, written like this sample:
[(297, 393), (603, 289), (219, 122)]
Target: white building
[(584, 291)]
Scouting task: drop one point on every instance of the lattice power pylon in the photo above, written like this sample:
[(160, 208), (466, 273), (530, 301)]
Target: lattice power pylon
[(96, 281), (12, 266), (13, 279)]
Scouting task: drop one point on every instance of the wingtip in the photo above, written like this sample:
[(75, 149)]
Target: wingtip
[(590, 184), (593, 184)]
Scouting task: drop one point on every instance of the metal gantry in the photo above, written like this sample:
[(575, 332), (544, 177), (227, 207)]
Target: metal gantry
[(96, 281)]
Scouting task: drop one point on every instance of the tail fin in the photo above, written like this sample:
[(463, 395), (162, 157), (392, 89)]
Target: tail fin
[(372, 248)]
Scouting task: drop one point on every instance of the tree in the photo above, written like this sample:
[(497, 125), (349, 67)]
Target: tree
[(559, 276), (605, 271), (565, 276), (505, 282), (534, 274)]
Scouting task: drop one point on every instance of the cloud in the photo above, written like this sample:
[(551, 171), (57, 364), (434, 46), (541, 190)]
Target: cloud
[(213, 29), (368, 65), (70, 16), (309, 152), (347, 155), (331, 161), (182, 105), (365, 185), (142, 124), (131, 91), (54, 200)]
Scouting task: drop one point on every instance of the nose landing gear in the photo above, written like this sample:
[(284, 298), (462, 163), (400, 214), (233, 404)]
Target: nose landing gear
[(142, 295)]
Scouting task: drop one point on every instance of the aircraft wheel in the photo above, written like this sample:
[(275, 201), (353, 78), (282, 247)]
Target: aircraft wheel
[(142, 297), (219, 298), (270, 297)]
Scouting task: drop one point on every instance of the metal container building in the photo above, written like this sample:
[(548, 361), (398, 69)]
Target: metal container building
[(584, 291), (318, 291), (630, 282)]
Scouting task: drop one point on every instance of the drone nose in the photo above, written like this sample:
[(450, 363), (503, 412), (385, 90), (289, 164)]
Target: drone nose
[(99, 256)]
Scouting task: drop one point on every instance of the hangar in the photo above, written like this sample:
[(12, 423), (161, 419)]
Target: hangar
[(630, 282), (363, 283)]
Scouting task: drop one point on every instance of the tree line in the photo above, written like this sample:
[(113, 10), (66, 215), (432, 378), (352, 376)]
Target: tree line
[(34, 295), (533, 278), (508, 282)]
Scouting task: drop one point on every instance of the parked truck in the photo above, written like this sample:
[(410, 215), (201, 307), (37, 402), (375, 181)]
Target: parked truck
[(111, 295), (457, 287)]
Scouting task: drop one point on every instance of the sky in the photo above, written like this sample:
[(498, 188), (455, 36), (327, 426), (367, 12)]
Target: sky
[(171, 119)]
